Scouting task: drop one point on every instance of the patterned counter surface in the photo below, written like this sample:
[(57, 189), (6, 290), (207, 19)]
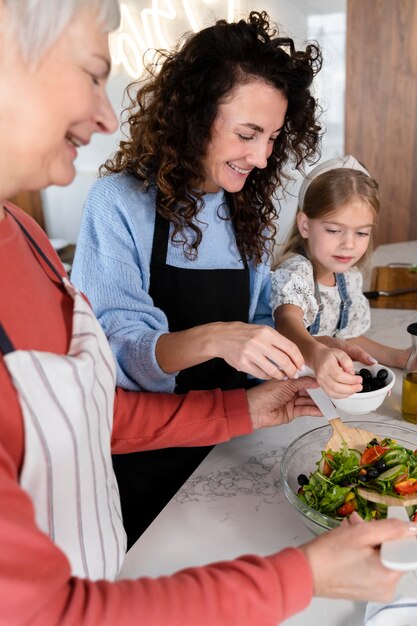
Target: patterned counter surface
[(234, 503)]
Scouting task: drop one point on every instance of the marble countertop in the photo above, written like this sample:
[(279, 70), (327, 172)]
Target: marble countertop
[(234, 503), (402, 252)]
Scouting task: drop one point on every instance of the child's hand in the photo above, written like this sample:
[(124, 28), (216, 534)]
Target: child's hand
[(361, 348), (355, 352), (402, 357), (334, 372)]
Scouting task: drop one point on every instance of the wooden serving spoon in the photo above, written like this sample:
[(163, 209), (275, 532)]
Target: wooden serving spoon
[(355, 438)]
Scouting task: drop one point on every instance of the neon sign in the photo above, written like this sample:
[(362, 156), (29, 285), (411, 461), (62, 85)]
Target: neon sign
[(141, 32)]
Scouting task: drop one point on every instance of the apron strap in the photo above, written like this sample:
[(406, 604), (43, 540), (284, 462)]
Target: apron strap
[(345, 303), (36, 246), (314, 328), (161, 237), (160, 240), (6, 345)]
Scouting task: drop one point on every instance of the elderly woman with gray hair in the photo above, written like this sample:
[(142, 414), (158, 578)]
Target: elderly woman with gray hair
[(61, 534)]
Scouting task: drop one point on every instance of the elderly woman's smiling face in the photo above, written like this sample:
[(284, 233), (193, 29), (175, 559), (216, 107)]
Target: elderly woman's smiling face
[(50, 110)]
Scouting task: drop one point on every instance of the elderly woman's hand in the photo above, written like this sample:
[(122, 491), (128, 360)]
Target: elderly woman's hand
[(279, 402), (345, 562)]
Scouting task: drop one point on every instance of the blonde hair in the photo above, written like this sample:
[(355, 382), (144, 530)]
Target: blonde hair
[(326, 195)]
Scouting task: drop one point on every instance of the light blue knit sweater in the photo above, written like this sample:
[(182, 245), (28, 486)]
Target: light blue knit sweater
[(112, 267)]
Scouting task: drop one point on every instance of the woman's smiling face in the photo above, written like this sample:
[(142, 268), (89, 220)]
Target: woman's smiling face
[(56, 106), (243, 135)]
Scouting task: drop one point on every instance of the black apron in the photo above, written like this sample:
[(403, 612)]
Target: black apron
[(188, 297)]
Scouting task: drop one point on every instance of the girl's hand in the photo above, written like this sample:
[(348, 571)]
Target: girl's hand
[(354, 351), (334, 372), (257, 350), (400, 357), (361, 348)]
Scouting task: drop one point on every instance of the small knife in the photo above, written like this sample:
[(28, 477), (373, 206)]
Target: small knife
[(323, 402), (410, 266), (393, 292)]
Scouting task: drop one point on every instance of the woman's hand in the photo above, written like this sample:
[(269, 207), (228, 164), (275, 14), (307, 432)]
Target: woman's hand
[(274, 403), (345, 562), (257, 350)]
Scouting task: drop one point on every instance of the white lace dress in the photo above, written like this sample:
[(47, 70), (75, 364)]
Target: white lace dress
[(293, 283)]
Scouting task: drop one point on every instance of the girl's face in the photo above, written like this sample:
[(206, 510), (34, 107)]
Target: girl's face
[(337, 241), (52, 109), (243, 135)]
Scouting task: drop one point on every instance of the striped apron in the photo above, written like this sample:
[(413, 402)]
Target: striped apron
[(67, 406)]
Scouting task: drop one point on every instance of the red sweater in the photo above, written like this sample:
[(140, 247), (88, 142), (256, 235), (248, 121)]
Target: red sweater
[(36, 586)]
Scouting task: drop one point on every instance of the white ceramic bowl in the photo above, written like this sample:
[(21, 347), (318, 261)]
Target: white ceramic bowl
[(360, 403), (302, 455)]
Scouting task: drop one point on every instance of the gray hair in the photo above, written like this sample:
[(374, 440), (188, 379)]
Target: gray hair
[(39, 23)]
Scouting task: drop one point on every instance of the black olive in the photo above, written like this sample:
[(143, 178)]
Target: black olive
[(302, 480), (373, 442), (372, 473), (345, 482), (380, 465), (365, 373), (362, 475), (366, 388), (382, 374), (376, 384)]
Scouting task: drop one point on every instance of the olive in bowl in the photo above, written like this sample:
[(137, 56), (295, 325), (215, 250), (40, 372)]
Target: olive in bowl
[(378, 380)]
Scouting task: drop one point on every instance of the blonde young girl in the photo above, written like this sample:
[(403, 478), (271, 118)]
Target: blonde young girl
[(317, 283)]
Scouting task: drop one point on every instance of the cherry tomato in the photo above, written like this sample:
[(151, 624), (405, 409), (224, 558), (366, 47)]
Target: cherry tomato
[(404, 487), (327, 469), (372, 454), (347, 508)]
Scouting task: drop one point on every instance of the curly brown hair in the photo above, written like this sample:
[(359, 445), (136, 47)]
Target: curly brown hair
[(171, 115)]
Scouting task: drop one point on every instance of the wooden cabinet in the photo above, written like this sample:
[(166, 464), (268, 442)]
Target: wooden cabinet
[(381, 106)]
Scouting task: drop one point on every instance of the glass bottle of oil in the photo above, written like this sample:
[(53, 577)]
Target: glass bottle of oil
[(409, 395)]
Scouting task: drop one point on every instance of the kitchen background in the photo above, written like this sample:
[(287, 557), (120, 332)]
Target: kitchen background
[(368, 89)]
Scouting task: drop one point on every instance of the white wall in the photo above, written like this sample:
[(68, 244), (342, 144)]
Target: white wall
[(63, 206)]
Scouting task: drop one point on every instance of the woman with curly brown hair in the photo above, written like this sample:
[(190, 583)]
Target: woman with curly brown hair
[(61, 535), (174, 246)]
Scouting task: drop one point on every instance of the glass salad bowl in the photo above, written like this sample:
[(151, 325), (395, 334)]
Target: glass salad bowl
[(303, 454)]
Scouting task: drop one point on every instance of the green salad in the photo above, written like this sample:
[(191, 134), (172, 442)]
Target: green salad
[(346, 480)]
